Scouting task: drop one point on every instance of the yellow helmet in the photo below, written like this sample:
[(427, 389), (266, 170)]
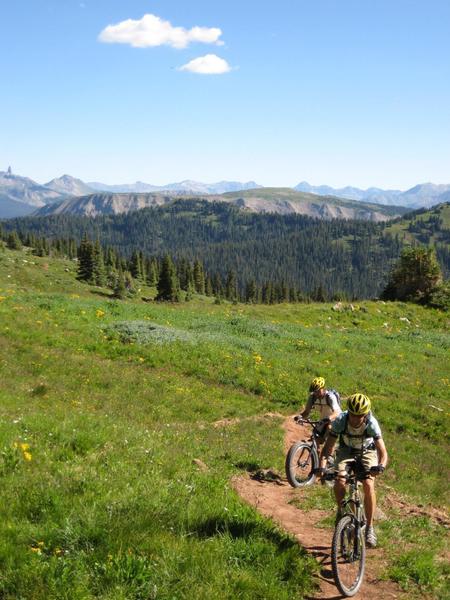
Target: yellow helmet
[(358, 404), (317, 384)]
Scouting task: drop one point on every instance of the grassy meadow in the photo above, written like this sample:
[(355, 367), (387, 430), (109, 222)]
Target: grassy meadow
[(105, 404)]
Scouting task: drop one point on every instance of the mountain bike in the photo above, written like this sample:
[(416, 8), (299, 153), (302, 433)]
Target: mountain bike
[(303, 457), (348, 549)]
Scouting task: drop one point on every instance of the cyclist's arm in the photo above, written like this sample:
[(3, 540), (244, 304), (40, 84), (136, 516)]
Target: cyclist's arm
[(381, 451), (327, 450), (308, 408), (334, 405)]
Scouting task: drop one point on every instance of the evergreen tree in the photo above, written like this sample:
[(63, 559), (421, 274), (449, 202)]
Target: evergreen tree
[(231, 292), (318, 294), (38, 249), (98, 267), (120, 291), (167, 283), (136, 268), (251, 292), (415, 276), (199, 277), (129, 283), (13, 241), (151, 270), (86, 260), (208, 286), (217, 285)]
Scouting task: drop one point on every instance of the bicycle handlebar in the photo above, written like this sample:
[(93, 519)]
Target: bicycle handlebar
[(301, 420), (351, 472)]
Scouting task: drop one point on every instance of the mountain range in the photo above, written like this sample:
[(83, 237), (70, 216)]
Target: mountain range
[(188, 187), (20, 196), (423, 195)]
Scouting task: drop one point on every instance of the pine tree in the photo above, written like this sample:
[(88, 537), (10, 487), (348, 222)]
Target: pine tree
[(136, 265), (251, 292), (168, 283), (86, 260), (231, 292), (129, 283), (208, 286), (38, 249), (151, 271), (217, 285), (415, 276), (13, 241), (98, 270), (199, 277), (120, 291)]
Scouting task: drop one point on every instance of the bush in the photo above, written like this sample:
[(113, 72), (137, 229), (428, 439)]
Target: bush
[(440, 296)]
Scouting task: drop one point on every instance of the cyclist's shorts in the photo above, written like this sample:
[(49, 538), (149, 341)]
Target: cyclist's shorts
[(345, 454)]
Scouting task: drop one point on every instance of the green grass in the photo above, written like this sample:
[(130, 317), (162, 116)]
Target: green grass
[(115, 400)]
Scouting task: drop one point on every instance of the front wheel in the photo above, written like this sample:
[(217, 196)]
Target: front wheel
[(348, 555), (301, 460)]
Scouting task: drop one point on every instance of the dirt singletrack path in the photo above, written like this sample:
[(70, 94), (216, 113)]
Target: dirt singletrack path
[(271, 498)]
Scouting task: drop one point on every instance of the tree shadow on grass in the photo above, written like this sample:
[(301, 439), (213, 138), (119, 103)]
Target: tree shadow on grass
[(242, 529), (103, 294)]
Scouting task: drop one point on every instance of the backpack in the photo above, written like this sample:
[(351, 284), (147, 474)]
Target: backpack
[(338, 397)]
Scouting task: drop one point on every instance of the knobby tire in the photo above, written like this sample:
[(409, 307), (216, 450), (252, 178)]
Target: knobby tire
[(301, 460), (348, 566)]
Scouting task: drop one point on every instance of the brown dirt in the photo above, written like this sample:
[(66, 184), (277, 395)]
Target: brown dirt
[(273, 500)]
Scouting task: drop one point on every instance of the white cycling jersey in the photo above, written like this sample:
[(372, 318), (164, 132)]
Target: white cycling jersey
[(326, 405)]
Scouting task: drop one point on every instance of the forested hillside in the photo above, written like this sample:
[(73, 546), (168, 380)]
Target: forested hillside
[(338, 256)]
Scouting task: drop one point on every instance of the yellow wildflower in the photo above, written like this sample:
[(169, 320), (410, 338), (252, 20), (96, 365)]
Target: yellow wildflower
[(27, 456), (24, 446), (99, 313)]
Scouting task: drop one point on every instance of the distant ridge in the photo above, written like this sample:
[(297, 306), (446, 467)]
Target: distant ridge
[(423, 195), (274, 200), (188, 186)]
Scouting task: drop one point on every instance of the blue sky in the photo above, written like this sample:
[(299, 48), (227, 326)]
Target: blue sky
[(342, 92)]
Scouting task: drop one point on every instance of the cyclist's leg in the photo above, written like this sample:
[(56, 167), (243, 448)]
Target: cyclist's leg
[(343, 456), (369, 459)]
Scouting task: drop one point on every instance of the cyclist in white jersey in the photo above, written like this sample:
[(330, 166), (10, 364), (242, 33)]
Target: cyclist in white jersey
[(326, 401), (359, 436)]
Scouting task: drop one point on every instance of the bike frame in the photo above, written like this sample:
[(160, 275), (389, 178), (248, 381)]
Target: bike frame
[(353, 506)]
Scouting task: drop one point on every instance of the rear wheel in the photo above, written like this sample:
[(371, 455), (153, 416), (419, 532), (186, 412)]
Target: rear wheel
[(348, 556), (301, 460)]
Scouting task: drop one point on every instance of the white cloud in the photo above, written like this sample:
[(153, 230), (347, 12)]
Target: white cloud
[(151, 31), (210, 64)]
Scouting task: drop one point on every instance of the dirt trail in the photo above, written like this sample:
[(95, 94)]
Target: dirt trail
[(272, 500)]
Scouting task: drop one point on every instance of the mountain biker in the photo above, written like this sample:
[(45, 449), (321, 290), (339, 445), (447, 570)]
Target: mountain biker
[(327, 401), (359, 436)]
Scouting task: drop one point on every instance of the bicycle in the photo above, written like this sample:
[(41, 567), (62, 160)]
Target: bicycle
[(348, 548), (302, 458)]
